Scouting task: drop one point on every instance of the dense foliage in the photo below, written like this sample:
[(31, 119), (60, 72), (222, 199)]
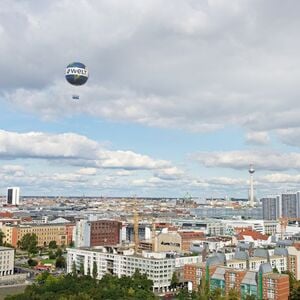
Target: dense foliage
[(32, 262), (52, 245), (70, 287), (29, 243), (294, 286)]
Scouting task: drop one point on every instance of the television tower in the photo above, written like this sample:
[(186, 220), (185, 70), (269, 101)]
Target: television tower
[(251, 194)]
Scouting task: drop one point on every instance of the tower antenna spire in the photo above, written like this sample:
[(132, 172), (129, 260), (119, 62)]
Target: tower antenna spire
[(251, 192)]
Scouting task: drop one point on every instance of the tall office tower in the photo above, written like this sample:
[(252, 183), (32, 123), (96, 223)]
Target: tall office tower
[(271, 207), (13, 196), (251, 191), (290, 205)]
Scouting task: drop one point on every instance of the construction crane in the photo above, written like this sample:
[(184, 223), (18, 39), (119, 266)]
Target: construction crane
[(284, 221), (136, 231)]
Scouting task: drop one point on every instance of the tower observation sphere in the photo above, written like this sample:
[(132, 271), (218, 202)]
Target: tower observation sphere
[(251, 169)]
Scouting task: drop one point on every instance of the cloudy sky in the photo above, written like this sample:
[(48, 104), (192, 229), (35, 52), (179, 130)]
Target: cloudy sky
[(183, 95)]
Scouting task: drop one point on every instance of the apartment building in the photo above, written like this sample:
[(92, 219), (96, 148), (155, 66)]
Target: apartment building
[(187, 237), (294, 260), (262, 226), (117, 261), (193, 273), (278, 260), (44, 232), (286, 205), (263, 284), (7, 257), (271, 207)]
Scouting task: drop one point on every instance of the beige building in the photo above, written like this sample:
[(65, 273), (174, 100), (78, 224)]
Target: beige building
[(239, 264), (294, 260), (45, 233), (169, 241)]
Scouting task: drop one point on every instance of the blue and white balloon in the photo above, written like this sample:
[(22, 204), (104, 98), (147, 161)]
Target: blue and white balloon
[(77, 73)]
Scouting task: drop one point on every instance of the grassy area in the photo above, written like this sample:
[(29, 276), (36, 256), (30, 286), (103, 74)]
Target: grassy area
[(48, 261)]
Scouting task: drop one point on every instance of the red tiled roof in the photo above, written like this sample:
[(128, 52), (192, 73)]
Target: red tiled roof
[(254, 234), (6, 214), (191, 234)]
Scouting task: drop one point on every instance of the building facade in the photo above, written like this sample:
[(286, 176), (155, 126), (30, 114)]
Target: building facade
[(97, 233), (157, 266), (168, 241), (7, 258), (271, 208), (262, 284), (144, 232), (105, 233), (44, 232), (13, 196), (294, 260), (290, 205)]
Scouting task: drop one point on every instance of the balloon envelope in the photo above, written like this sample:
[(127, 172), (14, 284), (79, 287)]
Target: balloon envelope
[(77, 73)]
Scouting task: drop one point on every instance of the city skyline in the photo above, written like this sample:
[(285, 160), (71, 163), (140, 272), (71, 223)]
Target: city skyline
[(182, 97)]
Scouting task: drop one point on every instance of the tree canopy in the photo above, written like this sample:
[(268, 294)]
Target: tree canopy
[(52, 245), (69, 287), (29, 243)]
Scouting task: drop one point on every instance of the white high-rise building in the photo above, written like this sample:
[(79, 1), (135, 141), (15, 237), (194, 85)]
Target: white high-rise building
[(82, 233), (13, 196)]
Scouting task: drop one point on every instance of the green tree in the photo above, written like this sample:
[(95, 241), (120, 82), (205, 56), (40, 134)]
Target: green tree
[(203, 290), (174, 281), (293, 281), (74, 269), (233, 295), (142, 281), (69, 287), (40, 279), (52, 245), (275, 270), (2, 236), (250, 297), (95, 272), (60, 262), (51, 255), (81, 269), (72, 244), (59, 252), (183, 294), (295, 293), (216, 294), (29, 243), (32, 262)]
